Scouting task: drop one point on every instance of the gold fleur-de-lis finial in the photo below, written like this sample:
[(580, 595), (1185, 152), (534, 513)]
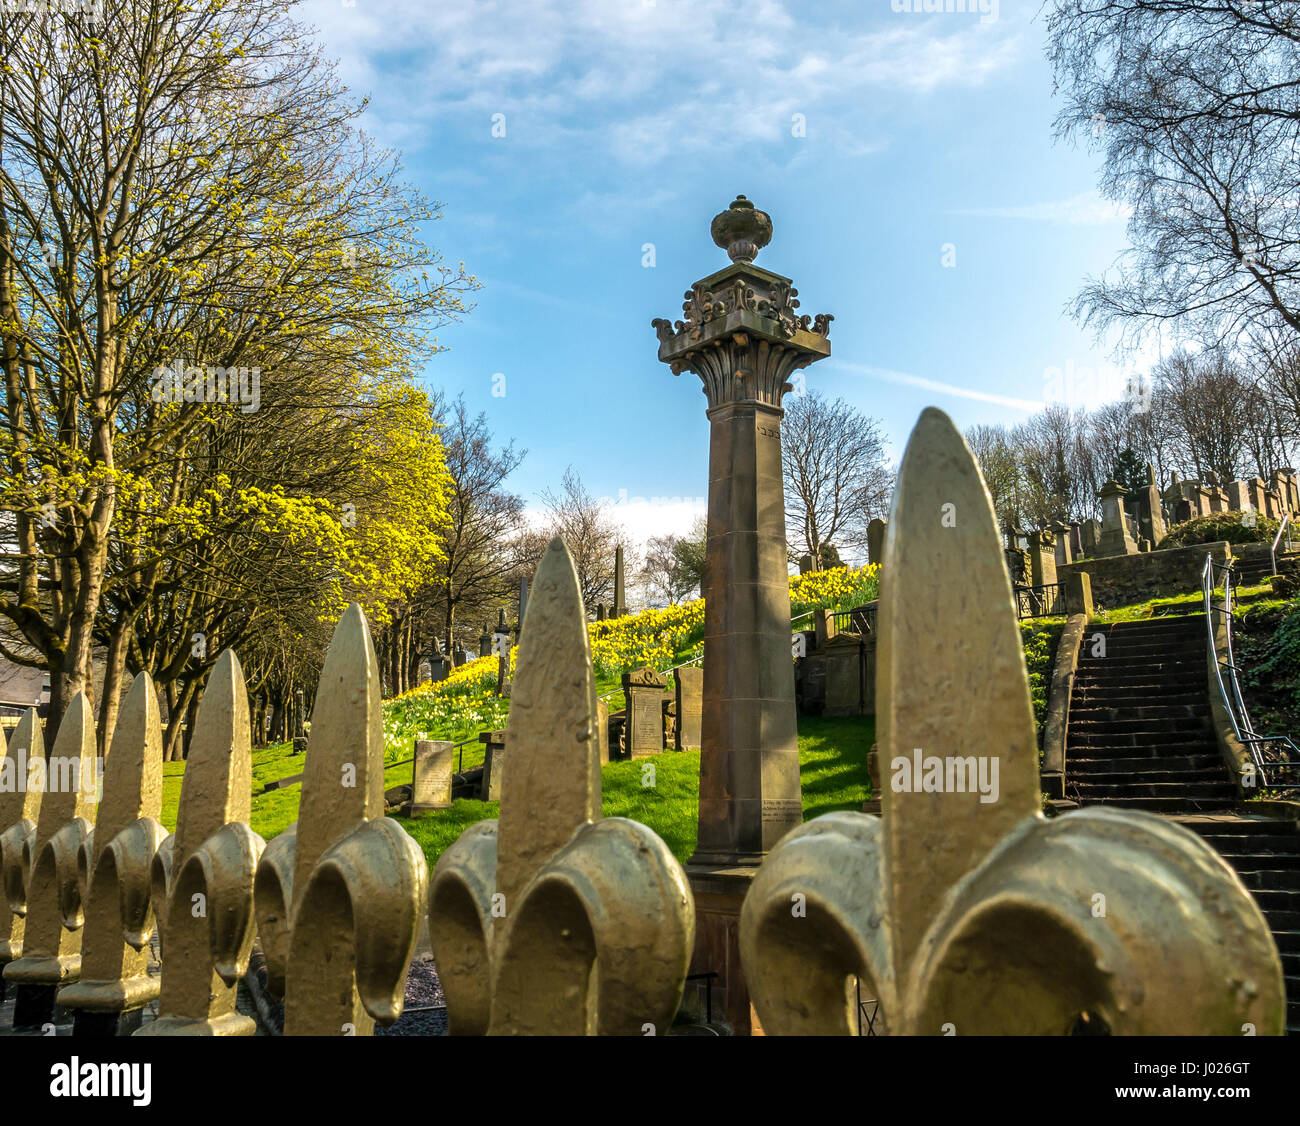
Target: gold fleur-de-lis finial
[(51, 953), (20, 806), (340, 893), (116, 865), (203, 873), (554, 920), (962, 908)]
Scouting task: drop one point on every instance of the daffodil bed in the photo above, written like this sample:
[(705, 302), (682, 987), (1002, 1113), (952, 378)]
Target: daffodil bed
[(832, 751)]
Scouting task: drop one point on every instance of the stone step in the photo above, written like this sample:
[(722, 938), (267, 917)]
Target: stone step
[(1114, 658), (1128, 744), (1094, 791), (1263, 879), (1288, 942), (1173, 727), (1257, 844), (1236, 824), (1140, 763), (1094, 696), (1085, 773), (1094, 712), (1165, 805), (1273, 900)]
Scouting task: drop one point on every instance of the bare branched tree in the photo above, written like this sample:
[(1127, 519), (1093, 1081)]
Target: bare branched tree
[(836, 476)]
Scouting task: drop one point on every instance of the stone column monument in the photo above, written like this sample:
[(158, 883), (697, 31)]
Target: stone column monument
[(620, 599), (743, 337)]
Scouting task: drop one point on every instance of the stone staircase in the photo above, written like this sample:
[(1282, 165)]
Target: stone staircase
[(1252, 569), (1266, 855), (1139, 734), (1140, 737)]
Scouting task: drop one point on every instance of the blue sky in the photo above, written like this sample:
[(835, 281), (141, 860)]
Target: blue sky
[(878, 140)]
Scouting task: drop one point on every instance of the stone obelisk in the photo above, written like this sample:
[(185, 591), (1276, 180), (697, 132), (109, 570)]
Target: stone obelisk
[(743, 338)]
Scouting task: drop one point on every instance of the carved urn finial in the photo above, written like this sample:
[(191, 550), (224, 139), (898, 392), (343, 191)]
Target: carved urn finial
[(742, 230)]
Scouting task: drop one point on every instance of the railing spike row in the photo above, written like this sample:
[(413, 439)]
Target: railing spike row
[(203, 873), (51, 950), (116, 866), (556, 921), (339, 896), (20, 806)]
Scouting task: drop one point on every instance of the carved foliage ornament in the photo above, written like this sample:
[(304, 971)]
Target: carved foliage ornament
[(777, 301), (962, 909)]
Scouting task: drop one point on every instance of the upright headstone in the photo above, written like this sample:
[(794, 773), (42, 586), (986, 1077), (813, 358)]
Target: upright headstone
[(431, 779), (1183, 511), (602, 729), (1116, 539), (1091, 537), (690, 704), (438, 666), (876, 541), (1257, 494), (485, 642), (1151, 517), (620, 602), (494, 758), (805, 564), (600, 611), (743, 336), (1042, 558), (644, 689), (1061, 534), (300, 719), (1238, 496), (1076, 539)]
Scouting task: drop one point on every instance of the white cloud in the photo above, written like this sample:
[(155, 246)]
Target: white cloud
[(1087, 209), (646, 81)]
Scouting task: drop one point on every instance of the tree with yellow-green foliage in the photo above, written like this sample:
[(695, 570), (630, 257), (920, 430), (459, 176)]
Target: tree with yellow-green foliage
[(183, 190)]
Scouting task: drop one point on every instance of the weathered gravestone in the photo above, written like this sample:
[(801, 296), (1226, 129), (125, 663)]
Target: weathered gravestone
[(690, 704), (1116, 538), (620, 602), (553, 920), (299, 722), (1238, 496), (431, 777), (644, 689), (602, 730), (485, 643), (1091, 537), (1042, 557), (961, 909), (494, 761), (875, 540)]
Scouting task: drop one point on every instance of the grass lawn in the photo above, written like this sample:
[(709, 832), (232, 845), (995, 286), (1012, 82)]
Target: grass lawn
[(832, 767)]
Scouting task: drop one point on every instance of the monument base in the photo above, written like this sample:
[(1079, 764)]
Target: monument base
[(719, 891)]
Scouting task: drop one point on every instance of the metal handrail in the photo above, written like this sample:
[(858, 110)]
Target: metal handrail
[(1272, 551), (1238, 715)]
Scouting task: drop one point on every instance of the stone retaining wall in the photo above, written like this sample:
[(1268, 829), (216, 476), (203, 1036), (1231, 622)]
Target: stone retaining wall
[(1121, 580)]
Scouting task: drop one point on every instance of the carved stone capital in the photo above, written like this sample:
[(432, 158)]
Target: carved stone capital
[(742, 335)]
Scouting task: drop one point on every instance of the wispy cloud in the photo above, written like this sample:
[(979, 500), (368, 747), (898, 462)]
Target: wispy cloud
[(906, 379), (1087, 209)]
